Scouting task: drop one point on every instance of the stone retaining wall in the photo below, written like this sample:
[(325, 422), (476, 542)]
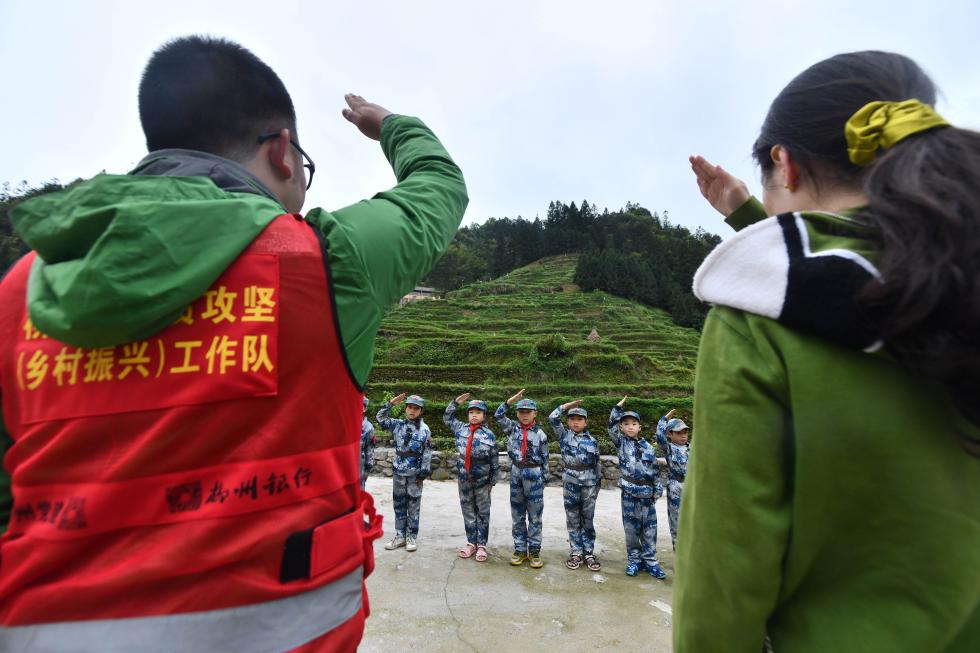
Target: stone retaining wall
[(444, 466)]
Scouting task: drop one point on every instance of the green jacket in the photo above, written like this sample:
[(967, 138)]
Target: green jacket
[(120, 256), (828, 504)]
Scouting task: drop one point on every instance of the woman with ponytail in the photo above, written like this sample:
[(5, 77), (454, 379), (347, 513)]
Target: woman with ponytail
[(833, 496)]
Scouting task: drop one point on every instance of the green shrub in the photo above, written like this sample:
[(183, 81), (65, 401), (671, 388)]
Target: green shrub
[(553, 346)]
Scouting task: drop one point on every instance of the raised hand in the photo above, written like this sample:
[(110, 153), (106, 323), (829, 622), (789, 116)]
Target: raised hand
[(463, 397), (572, 404), (516, 397), (722, 190), (670, 414), (622, 402), (367, 116), (400, 398)]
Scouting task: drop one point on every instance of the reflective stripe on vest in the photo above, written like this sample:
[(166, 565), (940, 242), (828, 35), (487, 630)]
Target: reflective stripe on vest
[(279, 625)]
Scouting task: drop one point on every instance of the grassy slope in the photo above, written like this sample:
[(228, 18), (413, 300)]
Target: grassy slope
[(492, 339)]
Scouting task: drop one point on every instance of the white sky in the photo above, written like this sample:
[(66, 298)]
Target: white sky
[(535, 100)]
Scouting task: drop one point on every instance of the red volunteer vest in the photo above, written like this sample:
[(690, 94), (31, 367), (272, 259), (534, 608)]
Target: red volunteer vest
[(198, 490)]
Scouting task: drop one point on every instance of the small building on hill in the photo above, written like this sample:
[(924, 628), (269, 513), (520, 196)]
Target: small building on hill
[(418, 293)]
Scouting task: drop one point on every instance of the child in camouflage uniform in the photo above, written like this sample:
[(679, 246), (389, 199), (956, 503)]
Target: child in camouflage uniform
[(672, 436), (367, 445), (580, 455), (476, 472), (640, 484), (527, 446), (413, 459)]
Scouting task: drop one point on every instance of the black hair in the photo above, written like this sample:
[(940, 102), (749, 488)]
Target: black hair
[(212, 95), (922, 215)]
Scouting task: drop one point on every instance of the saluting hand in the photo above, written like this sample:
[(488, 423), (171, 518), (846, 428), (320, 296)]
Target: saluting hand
[(622, 402), (722, 190), (516, 397), (400, 398), (670, 414), (572, 404), (367, 116), (463, 397)]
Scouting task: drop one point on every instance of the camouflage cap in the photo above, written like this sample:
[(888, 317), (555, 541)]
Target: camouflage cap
[(676, 424), (476, 403), (526, 404), (630, 413), (581, 412), (416, 400)]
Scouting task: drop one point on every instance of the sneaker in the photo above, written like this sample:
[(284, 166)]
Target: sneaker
[(656, 571), (535, 560), (632, 568), (518, 558), (395, 543), (410, 544)]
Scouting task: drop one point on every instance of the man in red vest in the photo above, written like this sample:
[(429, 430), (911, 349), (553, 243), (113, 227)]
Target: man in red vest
[(182, 359)]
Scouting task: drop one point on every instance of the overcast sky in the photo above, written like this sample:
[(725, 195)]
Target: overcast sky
[(535, 100)]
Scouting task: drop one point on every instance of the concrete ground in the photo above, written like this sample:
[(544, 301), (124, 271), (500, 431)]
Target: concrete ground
[(432, 600)]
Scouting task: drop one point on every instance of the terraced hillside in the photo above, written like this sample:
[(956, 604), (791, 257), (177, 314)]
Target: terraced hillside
[(529, 329)]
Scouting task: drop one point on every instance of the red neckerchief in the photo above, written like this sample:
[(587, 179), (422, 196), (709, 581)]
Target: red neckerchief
[(524, 441), (469, 446)]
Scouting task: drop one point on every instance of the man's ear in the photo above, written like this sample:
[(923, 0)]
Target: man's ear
[(786, 167), (278, 155)]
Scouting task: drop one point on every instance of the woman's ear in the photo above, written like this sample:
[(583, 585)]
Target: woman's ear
[(785, 169)]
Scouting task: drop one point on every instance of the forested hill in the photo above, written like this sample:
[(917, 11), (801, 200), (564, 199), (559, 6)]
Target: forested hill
[(529, 329), (631, 252)]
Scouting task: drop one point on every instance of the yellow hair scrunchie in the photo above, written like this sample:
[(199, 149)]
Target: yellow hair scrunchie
[(882, 124)]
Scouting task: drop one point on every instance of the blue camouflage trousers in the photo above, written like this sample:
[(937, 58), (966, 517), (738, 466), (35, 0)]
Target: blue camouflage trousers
[(526, 507), (364, 475), (674, 489), (474, 499), (640, 524), (579, 512), (407, 496)]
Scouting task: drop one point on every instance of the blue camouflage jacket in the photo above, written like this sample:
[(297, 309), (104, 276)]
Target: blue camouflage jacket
[(413, 443), (367, 444), (484, 462), (675, 454), (577, 450), (637, 461), (537, 440)]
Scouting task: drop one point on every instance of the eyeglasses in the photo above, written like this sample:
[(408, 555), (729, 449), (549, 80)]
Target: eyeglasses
[(309, 165)]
